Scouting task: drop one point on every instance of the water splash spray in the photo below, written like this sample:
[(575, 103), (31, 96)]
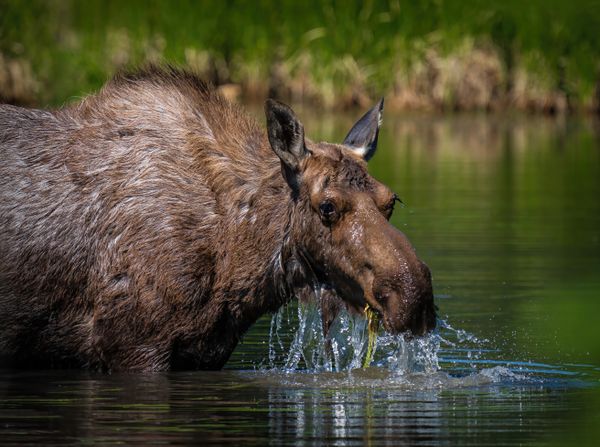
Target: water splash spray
[(296, 342)]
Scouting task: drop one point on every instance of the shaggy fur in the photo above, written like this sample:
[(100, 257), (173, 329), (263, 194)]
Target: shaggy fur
[(148, 226)]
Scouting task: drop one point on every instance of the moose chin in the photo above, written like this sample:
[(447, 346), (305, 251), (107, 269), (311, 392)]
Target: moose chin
[(148, 226)]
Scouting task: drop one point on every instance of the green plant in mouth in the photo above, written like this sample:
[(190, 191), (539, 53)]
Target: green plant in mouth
[(373, 326)]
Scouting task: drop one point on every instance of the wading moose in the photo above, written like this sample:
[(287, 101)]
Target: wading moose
[(148, 226)]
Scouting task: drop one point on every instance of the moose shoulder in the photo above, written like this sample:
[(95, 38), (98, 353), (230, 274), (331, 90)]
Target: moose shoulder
[(148, 226)]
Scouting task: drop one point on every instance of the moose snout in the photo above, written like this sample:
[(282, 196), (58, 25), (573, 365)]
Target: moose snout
[(407, 303)]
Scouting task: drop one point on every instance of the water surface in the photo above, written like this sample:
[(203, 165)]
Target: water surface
[(505, 211)]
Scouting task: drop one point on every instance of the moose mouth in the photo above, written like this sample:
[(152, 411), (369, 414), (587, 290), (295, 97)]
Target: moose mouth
[(398, 309), (417, 320)]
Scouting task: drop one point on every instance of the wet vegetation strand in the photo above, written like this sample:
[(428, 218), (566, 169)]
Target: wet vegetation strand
[(449, 55)]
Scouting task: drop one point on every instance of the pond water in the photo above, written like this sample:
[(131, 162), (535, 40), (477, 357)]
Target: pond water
[(505, 211)]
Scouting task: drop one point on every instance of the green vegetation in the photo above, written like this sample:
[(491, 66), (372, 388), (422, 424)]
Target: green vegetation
[(428, 54)]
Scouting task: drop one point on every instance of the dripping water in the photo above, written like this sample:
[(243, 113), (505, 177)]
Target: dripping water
[(297, 342), (300, 355)]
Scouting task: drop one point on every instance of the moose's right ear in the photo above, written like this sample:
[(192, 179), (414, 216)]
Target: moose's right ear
[(286, 136)]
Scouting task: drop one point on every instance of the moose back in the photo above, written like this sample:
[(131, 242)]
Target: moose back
[(148, 226)]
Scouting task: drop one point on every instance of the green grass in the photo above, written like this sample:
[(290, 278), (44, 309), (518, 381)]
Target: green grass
[(74, 46)]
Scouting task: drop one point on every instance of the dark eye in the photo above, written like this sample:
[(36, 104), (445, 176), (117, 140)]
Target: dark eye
[(327, 210)]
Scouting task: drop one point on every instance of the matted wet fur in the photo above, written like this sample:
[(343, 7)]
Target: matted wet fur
[(148, 226)]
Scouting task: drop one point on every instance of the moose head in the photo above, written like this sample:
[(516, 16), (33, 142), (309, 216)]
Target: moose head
[(340, 224)]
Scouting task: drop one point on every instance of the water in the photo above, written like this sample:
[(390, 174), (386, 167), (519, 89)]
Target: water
[(505, 211), (296, 343)]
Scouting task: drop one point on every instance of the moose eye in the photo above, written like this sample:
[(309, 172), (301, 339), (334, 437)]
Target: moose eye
[(327, 210)]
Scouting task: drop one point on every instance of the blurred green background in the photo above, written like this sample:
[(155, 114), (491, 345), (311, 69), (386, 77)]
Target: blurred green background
[(505, 210), (432, 54)]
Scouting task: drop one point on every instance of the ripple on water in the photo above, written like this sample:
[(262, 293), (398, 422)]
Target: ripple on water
[(376, 377)]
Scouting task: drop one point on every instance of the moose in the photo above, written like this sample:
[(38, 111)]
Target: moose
[(148, 226)]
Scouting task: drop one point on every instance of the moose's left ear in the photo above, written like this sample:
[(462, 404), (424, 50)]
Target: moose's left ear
[(362, 138)]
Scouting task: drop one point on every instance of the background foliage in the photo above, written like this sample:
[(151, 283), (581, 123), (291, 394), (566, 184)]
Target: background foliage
[(541, 55)]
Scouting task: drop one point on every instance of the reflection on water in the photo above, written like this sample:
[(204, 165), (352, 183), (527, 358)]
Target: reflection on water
[(411, 418), (276, 409), (506, 212)]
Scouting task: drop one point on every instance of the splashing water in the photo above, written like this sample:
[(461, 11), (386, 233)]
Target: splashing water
[(296, 342), (301, 356)]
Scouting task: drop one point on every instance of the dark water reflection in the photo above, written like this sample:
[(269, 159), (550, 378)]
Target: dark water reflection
[(506, 212), (60, 407)]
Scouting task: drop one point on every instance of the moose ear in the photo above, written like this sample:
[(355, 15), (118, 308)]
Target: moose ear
[(286, 136), (362, 138)]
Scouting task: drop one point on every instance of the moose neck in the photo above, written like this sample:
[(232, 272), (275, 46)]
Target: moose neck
[(258, 266), (275, 265)]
